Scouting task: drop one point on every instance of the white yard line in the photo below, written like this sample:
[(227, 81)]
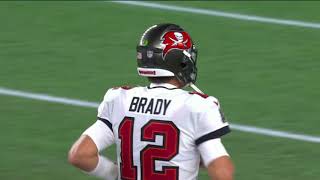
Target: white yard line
[(76, 102), (48, 98), (275, 133), (209, 12)]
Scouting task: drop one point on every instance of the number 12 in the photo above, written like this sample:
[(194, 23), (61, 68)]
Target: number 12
[(150, 153)]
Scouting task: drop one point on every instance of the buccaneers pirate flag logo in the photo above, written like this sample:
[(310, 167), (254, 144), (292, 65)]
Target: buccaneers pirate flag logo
[(175, 40)]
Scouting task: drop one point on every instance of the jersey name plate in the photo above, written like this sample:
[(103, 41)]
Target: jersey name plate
[(149, 105)]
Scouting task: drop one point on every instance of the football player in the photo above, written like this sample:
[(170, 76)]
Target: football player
[(161, 131)]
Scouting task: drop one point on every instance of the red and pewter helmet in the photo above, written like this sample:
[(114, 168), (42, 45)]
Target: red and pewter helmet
[(167, 50)]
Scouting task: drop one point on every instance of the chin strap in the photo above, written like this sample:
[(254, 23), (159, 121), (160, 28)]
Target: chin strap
[(194, 87)]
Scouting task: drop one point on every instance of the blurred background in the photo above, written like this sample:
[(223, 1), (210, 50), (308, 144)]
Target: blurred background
[(264, 74)]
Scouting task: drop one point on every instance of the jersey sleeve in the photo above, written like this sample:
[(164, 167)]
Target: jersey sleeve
[(211, 123), (211, 150), (106, 106), (101, 132), (101, 135)]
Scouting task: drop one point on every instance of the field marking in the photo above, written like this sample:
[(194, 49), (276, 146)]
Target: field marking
[(238, 16), (81, 103), (48, 98)]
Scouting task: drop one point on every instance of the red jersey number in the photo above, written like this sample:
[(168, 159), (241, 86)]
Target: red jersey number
[(150, 153)]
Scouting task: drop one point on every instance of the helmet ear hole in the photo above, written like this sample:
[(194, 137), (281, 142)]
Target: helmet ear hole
[(183, 65)]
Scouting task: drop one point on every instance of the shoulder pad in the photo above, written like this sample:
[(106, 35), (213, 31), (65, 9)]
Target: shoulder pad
[(111, 94), (215, 100), (207, 98)]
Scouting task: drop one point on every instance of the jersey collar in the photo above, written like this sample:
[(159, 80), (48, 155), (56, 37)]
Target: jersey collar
[(162, 85)]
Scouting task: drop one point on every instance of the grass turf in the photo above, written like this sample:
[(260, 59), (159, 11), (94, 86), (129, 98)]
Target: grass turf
[(264, 75)]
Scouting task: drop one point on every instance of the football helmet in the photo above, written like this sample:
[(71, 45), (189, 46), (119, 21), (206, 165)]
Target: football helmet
[(167, 50)]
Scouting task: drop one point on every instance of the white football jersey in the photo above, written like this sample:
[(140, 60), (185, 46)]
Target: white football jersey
[(160, 131)]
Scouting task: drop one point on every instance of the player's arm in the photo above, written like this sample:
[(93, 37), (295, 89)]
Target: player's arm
[(84, 154), (216, 159), (221, 169)]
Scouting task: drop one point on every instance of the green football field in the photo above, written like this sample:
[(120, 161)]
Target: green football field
[(264, 74)]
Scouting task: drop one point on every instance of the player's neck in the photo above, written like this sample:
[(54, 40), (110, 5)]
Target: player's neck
[(172, 81), (176, 83)]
